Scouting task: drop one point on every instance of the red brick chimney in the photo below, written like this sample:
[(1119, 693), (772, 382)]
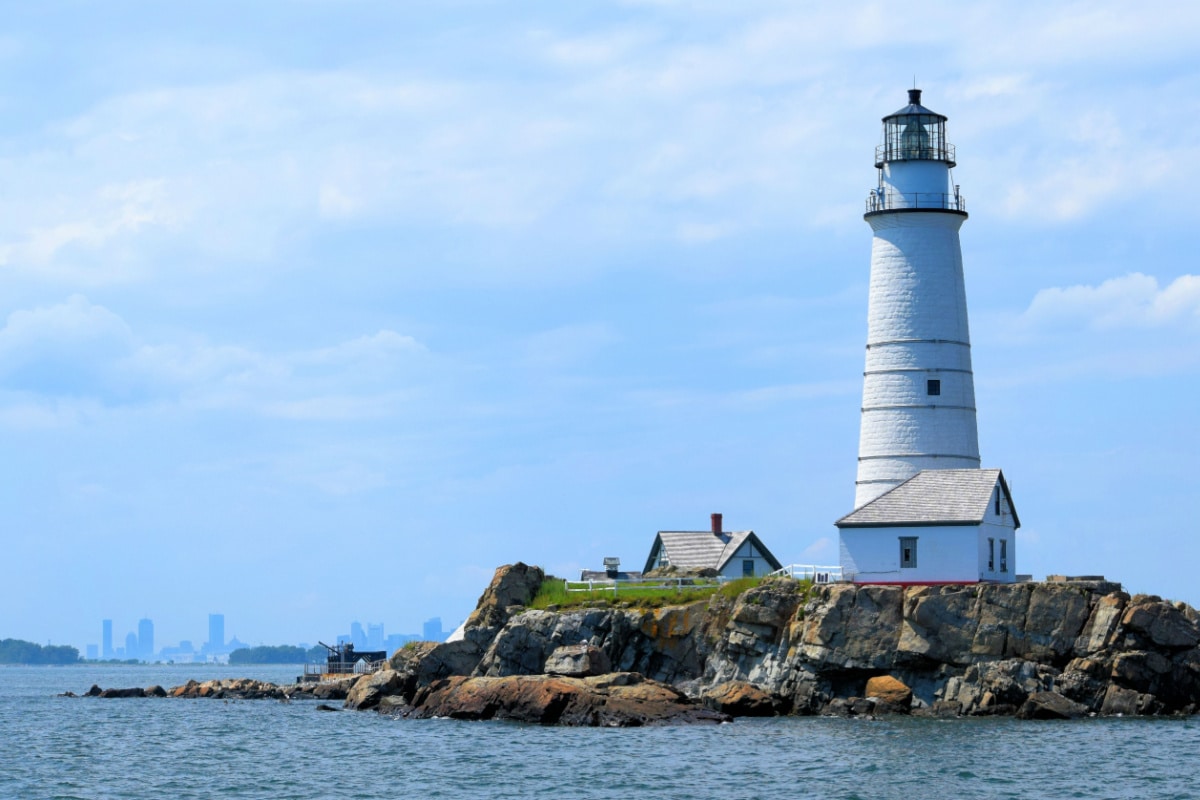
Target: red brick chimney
[(716, 524)]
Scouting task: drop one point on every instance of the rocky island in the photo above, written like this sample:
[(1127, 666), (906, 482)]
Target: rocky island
[(1034, 650)]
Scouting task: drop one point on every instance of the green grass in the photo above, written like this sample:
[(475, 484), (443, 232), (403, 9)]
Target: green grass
[(554, 593), (736, 587)]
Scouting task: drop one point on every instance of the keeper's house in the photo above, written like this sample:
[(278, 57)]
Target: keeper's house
[(939, 526), (731, 554)]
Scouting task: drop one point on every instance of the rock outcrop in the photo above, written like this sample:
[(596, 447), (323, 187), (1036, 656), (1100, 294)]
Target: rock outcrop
[(616, 700), (1034, 650), (786, 647)]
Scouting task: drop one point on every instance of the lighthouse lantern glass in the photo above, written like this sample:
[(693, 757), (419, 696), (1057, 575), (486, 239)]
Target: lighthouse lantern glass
[(910, 137)]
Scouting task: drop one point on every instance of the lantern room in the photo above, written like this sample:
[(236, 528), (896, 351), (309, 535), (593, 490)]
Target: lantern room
[(914, 133)]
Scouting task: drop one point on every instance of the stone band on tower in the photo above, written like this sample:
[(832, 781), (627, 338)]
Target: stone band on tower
[(918, 408)]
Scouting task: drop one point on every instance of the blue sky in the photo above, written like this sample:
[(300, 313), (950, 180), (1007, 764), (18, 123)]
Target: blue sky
[(315, 312)]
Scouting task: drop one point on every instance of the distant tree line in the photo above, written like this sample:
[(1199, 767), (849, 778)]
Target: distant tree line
[(15, 651), (279, 654)]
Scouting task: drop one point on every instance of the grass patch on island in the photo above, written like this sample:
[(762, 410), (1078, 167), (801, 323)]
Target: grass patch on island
[(553, 592)]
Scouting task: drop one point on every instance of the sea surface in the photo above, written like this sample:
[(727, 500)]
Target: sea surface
[(60, 747)]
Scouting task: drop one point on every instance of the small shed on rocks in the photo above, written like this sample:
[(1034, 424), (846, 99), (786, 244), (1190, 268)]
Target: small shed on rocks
[(939, 526), (732, 554)]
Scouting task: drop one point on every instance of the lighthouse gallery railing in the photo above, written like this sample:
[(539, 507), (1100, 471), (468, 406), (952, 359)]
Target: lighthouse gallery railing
[(891, 201)]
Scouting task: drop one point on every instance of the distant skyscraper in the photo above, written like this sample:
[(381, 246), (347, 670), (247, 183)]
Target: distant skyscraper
[(146, 639), (358, 637), (375, 636), (432, 630), (106, 648), (131, 645), (216, 633)]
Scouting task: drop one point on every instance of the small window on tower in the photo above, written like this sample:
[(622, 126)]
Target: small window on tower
[(933, 387)]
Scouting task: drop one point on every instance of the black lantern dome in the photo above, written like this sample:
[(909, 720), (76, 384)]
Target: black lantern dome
[(914, 133)]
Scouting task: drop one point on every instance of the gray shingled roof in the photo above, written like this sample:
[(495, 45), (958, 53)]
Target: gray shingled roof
[(933, 497), (704, 549)]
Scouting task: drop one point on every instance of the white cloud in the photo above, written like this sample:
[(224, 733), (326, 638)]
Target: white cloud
[(81, 350), (630, 128), (1131, 301)]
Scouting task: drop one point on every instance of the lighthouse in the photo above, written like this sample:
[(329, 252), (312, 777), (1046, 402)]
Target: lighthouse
[(924, 510), (918, 406)]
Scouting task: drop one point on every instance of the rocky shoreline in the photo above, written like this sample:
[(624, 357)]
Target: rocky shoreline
[(1033, 650)]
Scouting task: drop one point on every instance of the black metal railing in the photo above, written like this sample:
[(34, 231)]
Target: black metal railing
[(897, 151), (896, 201)]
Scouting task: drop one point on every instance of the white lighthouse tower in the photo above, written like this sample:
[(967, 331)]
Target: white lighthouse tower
[(918, 408), (924, 510)]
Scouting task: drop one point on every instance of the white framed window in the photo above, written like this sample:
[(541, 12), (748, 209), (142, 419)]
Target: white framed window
[(991, 554), (1004, 555)]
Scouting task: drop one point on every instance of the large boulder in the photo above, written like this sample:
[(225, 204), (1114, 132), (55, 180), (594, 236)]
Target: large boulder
[(1163, 624), (334, 690), (741, 699), (512, 585), (369, 690), (615, 700), (890, 693), (578, 661), (1050, 705)]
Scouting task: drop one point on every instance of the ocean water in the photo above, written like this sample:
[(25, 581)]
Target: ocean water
[(56, 747)]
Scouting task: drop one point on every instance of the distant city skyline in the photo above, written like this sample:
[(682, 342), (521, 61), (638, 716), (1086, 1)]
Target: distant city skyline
[(139, 643)]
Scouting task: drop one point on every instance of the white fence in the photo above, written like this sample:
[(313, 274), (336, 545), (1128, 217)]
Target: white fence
[(812, 572), (678, 584)]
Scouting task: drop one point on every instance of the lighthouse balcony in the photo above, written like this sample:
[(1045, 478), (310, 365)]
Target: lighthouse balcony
[(879, 202), (902, 148)]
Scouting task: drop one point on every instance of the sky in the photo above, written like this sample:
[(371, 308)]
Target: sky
[(313, 312)]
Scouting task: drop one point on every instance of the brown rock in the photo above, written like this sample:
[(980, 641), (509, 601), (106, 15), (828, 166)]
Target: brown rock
[(512, 585), (368, 690), (741, 699), (334, 690), (1164, 624), (890, 693), (549, 700), (1050, 705)]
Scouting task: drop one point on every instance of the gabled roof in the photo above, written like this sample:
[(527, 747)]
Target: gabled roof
[(934, 497), (704, 549)]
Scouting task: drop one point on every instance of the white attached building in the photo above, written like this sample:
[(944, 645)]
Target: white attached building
[(733, 554), (940, 526)]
